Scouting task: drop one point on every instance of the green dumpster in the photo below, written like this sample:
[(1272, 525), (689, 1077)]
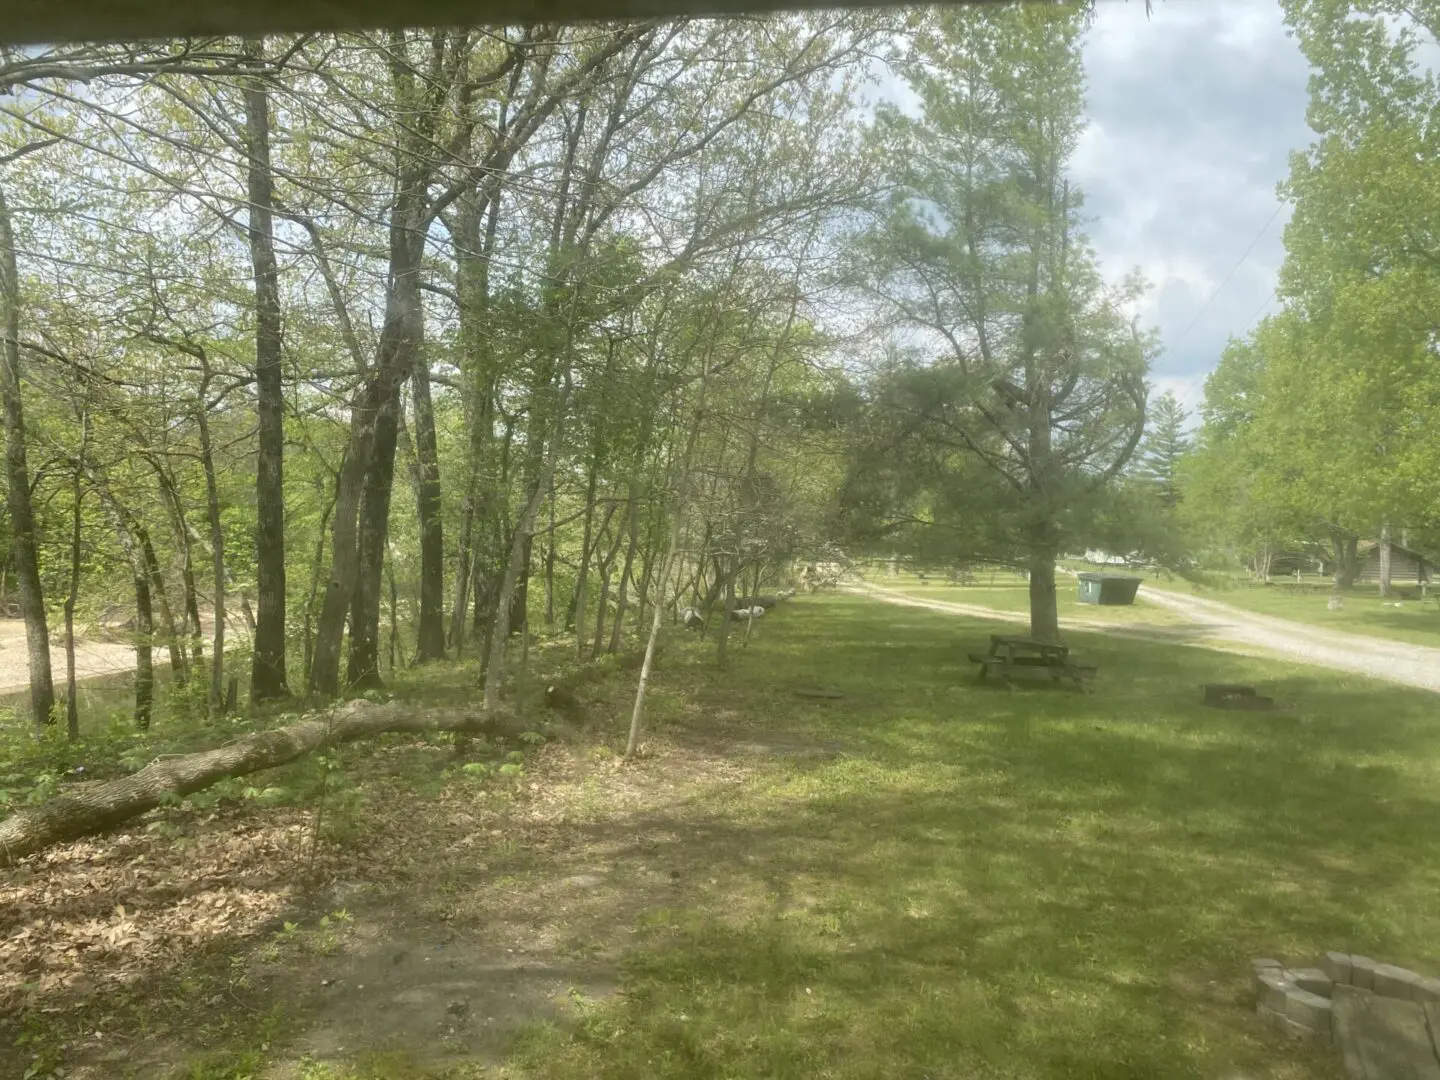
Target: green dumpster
[(1108, 588)]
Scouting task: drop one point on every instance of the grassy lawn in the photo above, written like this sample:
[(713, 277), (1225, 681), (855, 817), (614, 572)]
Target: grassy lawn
[(1023, 884), (925, 877)]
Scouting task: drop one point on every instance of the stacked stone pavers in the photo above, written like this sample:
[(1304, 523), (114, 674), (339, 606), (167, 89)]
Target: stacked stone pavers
[(1299, 1001)]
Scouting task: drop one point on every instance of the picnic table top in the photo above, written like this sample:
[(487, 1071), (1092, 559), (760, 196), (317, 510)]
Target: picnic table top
[(1022, 641)]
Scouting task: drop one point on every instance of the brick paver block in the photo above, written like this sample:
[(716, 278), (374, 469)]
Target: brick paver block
[(1271, 988), (1313, 980), (1395, 982), (1337, 966), (1362, 972), (1425, 988), (1290, 1027), (1309, 1009)]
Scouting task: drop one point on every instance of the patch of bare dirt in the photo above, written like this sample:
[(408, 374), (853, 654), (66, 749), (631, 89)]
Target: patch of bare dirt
[(460, 908)]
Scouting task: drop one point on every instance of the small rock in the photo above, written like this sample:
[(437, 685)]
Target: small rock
[(458, 1008)]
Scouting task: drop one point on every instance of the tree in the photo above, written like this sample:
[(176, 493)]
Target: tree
[(1339, 387), (267, 672), (1026, 395), (1165, 445), (23, 540)]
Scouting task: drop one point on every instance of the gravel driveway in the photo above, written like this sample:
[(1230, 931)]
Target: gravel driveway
[(1394, 661), (91, 658), (1211, 624)]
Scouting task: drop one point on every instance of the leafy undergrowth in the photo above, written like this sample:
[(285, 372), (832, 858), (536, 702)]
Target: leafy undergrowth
[(921, 877)]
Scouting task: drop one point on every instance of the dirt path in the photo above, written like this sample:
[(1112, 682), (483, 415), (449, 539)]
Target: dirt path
[(1394, 661), (92, 658), (1213, 625)]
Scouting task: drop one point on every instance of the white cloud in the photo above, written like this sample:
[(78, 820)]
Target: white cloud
[(1193, 113)]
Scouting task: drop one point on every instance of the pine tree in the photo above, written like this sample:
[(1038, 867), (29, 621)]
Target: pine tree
[(1165, 444)]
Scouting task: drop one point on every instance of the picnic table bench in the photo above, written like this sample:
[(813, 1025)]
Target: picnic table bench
[(1013, 656)]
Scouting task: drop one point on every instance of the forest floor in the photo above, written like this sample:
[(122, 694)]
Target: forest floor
[(920, 877)]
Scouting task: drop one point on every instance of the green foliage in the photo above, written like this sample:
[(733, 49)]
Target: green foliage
[(1164, 448), (1318, 426), (996, 433)]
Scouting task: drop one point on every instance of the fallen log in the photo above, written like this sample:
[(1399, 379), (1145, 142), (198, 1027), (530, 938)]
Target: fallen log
[(90, 808)]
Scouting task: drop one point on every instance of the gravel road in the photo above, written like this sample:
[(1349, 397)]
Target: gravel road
[(1211, 624), (92, 658), (1394, 661)]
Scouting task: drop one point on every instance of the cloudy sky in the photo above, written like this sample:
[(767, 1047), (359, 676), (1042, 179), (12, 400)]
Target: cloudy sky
[(1193, 114)]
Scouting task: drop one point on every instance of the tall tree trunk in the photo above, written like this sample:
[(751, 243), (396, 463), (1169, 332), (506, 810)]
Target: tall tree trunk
[(519, 550), (375, 412), (144, 644), (462, 571), (727, 616), (180, 525), (363, 670), (520, 594), (144, 636), (23, 542), (1385, 559), (622, 595), (179, 669), (382, 386), (601, 609), (1347, 567), (550, 564), (72, 708), (577, 595), (681, 489), (637, 714), (267, 667), (430, 642), (316, 563), (1044, 607), (394, 611), (217, 544)]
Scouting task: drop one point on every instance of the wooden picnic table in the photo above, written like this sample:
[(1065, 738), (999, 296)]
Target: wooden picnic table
[(1017, 656)]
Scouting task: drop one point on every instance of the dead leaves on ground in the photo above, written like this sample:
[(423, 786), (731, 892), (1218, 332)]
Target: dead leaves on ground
[(109, 911)]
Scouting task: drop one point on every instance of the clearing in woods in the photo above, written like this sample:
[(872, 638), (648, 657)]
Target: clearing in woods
[(922, 877)]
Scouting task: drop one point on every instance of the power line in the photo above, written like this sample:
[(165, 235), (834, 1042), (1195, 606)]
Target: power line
[(1238, 263), (1261, 311)]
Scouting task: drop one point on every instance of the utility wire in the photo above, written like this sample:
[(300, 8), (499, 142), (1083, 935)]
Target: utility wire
[(1239, 262)]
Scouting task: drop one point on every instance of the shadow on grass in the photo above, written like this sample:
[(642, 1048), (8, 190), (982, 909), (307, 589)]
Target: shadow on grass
[(966, 884), (1027, 884)]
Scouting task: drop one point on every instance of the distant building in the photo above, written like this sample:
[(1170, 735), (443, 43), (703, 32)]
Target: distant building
[(1097, 557), (1406, 567)]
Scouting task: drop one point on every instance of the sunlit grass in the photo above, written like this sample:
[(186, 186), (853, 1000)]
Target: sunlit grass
[(1023, 884)]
